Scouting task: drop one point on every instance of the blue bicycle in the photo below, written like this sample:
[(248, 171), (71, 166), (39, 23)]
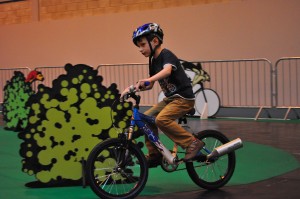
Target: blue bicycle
[(117, 168)]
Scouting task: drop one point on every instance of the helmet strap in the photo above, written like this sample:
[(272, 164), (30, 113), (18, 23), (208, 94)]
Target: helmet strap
[(152, 51)]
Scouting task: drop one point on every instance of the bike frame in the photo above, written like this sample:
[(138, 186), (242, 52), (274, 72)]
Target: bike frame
[(138, 119)]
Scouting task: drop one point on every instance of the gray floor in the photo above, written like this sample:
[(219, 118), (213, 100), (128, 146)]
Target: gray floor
[(282, 135)]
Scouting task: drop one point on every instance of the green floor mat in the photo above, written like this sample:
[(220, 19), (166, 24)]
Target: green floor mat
[(255, 162)]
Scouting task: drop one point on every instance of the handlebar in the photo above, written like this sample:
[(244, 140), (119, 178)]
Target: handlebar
[(146, 83), (131, 93)]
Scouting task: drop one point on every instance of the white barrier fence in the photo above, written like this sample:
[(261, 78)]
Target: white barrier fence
[(239, 83)]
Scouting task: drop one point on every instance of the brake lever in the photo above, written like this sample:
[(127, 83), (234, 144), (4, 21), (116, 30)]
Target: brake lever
[(128, 94), (132, 89)]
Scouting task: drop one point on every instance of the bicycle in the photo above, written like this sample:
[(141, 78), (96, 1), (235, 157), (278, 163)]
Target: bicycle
[(204, 98), (117, 168)]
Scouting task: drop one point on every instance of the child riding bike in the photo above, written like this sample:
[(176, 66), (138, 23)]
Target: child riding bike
[(165, 68)]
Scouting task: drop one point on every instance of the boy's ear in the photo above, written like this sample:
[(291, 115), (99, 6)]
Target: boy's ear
[(156, 40)]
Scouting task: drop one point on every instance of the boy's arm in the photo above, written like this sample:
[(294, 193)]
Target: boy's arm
[(165, 72)]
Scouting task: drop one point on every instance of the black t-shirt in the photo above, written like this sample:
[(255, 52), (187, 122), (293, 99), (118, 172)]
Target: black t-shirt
[(178, 82)]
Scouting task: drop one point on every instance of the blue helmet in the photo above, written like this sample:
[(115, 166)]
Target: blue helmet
[(148, 29)]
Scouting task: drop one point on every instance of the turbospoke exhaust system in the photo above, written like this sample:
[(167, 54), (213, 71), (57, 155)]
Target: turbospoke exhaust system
[(226, 148)]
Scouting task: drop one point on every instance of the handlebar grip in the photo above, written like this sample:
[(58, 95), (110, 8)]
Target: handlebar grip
[(147, 83), (132, 91)]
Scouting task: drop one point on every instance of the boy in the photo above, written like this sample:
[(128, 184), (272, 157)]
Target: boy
[(165, 68)]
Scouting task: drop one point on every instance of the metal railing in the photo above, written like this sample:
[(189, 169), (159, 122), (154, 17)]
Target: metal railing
[(246, 82), (239, 83), (125, 75), (287, 82)]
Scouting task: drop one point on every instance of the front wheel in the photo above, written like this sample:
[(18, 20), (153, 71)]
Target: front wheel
[(216, 173), (116, 169)]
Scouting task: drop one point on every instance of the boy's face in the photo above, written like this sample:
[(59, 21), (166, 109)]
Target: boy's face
[(144, 47)]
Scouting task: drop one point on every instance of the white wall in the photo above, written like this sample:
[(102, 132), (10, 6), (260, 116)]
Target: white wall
[(238, 29)]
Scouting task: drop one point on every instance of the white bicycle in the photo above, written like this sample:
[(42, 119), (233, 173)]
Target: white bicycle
[(207, 101)]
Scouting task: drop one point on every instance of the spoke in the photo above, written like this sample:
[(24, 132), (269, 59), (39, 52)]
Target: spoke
[(116, 155), (222, 164), (214, 173), (104, 176), (103, 168), (204, 173), (112, 164), (105, 182), (112, 185), (116, 171), (200, 165), (215, 144), (124, 187)]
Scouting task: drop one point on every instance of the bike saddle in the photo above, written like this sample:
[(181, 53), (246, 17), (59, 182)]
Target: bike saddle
[(191, 112), (183, 119)]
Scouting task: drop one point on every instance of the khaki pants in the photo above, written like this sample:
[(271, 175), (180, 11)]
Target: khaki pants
[(167, 112)]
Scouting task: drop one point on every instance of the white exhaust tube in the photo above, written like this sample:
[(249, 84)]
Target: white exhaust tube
[(226, 148)]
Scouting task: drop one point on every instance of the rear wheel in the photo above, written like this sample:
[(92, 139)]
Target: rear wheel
[(116, 170), (216, 173)]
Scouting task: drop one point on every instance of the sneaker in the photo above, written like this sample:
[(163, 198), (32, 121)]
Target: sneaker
[(154, 160), (193, 149)]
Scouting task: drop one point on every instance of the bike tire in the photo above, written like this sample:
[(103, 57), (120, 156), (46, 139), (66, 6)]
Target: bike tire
[(116, 169), (213, 102), (217, 173)]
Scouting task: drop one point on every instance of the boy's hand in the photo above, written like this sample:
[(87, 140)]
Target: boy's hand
[(141, 85)]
